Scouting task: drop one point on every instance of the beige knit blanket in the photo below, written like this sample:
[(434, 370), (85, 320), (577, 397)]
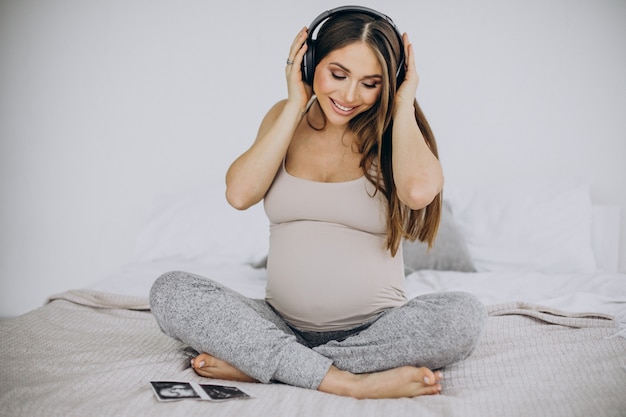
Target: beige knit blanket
[(93, 354)]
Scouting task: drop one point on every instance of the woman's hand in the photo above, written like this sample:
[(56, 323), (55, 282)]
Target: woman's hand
[(407, 90), (299, 93)]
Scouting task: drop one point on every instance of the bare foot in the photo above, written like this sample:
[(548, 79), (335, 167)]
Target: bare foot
[(406, 381), (210, 367)]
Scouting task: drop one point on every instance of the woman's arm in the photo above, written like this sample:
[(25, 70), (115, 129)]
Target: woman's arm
[(417, 173), (251, 174)]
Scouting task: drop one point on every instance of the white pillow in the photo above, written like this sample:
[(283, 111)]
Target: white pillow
[(201, 226), (526, 227)]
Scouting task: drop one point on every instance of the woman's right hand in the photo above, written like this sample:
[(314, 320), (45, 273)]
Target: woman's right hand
[(298, 91)]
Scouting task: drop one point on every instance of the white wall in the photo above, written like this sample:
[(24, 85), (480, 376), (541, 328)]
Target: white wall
[(105, 104)]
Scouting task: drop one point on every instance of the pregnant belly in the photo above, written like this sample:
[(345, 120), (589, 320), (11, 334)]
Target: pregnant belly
[(324, 277)]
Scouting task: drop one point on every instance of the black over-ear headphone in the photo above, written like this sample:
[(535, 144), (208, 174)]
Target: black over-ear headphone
[(308, 61)]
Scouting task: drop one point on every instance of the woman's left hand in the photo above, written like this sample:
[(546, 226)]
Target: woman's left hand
[(407, 90)]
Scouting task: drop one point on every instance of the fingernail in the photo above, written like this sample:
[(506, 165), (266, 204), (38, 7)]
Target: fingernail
[(427, 380), (201, 364), (191, 361)]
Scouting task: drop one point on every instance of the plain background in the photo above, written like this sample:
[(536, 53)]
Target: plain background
[(106, 104)]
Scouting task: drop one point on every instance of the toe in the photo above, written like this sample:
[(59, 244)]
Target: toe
[(428, 377), (200, 361)]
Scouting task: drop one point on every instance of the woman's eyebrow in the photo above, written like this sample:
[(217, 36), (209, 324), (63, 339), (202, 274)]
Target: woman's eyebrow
[(349, 72)]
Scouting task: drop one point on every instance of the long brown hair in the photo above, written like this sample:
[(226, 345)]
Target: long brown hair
[(373, 128)]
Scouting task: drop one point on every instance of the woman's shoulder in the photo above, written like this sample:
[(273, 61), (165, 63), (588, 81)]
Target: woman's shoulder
[(278, 106), (271, 116), (274, 111)]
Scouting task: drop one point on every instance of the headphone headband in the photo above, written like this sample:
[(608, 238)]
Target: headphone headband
[(308, 62)]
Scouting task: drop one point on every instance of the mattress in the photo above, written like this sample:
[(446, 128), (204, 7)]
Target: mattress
[(553, 346)]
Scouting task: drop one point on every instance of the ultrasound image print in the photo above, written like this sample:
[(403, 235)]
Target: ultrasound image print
[(175, 390), (169, 390), (222, 392)]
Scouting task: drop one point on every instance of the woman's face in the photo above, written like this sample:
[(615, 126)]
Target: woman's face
[(347, 82)]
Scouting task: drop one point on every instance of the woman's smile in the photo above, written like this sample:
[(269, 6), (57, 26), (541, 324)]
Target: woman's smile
[(343, 109)]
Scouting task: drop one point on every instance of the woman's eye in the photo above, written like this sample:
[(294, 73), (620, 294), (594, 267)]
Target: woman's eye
[(341, 76)]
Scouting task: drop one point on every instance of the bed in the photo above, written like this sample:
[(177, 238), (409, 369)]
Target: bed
[(541, 257)]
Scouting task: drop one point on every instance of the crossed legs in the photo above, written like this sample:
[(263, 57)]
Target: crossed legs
[(246, 340)]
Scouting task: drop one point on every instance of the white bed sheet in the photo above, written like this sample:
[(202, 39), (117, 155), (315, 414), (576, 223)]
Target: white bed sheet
[(603, 293)]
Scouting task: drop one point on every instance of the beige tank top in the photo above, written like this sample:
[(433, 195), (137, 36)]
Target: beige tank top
[(328, 268)]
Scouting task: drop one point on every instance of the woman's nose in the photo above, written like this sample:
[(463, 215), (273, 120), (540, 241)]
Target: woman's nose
[(350, 92)]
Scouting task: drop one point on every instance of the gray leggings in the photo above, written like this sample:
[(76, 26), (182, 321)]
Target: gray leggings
[(432, 330)]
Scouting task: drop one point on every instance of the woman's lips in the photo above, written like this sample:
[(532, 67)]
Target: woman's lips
[(342, 109)]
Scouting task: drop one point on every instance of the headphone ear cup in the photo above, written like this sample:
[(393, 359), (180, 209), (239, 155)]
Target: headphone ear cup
[(307, 63)]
